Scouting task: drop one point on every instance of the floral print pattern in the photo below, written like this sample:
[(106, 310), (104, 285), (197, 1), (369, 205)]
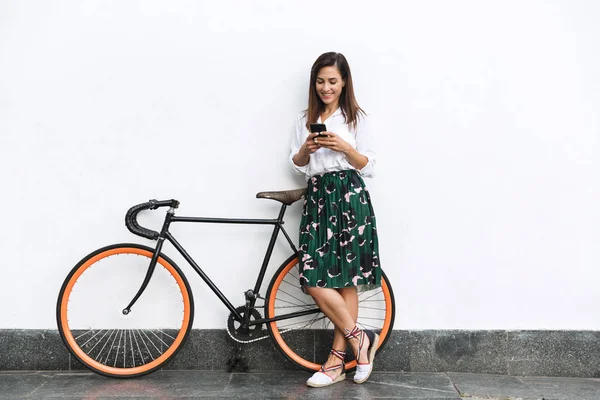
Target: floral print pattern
[(338, 234)]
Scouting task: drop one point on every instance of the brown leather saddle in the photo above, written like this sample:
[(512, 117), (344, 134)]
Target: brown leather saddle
[(287, 197)]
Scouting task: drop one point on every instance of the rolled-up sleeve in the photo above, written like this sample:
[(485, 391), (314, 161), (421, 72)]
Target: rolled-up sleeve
[(298, 139), (365, 145)]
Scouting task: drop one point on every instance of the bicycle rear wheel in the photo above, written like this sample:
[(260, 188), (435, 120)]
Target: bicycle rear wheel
[(306, 340), (90, 317)]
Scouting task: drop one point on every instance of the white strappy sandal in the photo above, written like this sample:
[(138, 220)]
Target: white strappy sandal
[(363, 370), (321, 379)]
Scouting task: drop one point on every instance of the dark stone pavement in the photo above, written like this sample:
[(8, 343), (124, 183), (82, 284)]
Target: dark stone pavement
[(169, 384)]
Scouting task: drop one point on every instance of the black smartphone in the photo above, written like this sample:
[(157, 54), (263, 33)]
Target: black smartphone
[(318, 128)]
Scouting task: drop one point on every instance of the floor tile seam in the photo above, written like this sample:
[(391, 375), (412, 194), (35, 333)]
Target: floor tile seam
[(407, 386), (452, 383), (228, 382), (7, 372), (529, 386), (426, 398), (42, 385)]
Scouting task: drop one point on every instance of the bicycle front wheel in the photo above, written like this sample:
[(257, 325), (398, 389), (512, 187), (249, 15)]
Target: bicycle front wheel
[(90, 314), (306, 340)]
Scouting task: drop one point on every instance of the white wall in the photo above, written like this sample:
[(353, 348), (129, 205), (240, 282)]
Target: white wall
[(487, 191)]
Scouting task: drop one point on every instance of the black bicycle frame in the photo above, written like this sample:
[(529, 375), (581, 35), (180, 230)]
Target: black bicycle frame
[(250, 301)]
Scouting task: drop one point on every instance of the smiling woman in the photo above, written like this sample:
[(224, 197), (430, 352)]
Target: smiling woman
[(338, 253)]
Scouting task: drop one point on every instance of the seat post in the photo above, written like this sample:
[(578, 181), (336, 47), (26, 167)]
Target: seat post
[(281, 213)]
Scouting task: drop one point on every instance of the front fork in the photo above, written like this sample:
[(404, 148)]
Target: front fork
[(153, 261)]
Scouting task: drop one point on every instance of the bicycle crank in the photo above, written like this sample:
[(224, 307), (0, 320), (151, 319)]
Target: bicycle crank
[(245, 334)]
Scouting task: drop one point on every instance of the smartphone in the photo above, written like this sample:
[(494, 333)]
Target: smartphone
[(318, 128)]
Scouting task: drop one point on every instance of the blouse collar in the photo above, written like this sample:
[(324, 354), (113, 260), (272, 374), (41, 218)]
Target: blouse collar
[(338, 111)]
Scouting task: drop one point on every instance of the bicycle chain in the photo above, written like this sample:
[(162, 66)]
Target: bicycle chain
[(244, 341), (252, 340)]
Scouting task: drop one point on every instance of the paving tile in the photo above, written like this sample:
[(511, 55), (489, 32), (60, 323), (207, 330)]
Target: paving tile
[(488, 385), (168, 384), (380, 385), (564, 388), (160, 384), (526, 387), (17, 385)]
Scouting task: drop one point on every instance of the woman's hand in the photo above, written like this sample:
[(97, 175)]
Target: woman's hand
[(336, 143), (309, 146), (333, 142)]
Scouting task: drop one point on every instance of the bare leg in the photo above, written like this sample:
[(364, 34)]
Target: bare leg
[(339, 341), (351, 299), (333, 305)]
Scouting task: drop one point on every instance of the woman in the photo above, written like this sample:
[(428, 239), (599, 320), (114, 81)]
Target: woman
[(338, 238)]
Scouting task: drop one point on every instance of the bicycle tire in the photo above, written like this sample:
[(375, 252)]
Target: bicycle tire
[(293, 345), (79, 312)]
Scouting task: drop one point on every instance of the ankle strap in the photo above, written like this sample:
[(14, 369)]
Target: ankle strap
[(355, 333), (339, 354)]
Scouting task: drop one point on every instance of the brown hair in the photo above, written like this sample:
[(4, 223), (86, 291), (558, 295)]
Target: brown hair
[(348, 104)]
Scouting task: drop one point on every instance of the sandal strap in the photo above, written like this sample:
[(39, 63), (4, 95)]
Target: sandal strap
[(339, 354), (323, 369), (357, 334), (353, 334)]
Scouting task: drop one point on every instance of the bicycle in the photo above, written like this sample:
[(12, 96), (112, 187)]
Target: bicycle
[(110, 336)]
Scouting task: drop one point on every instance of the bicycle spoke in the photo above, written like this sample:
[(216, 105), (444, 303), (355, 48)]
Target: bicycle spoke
[(379, 290), (89, 338), (369, 325), (124, 346), (166, 334), (117, 349), (152, 332), (294, 304), (132, 352), (315, 319), (373, 295), (295, 285), (372, 308), (111, 346), (100, 340), (308, 324), (138, 347), (147, 349), (83, 334), (283, 291), (107, 340), (151, 342)]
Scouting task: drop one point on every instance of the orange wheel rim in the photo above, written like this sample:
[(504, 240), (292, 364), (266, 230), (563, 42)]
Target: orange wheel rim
[(113, 370)]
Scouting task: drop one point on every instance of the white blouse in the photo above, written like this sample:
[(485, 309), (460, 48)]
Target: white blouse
[(326, 160)]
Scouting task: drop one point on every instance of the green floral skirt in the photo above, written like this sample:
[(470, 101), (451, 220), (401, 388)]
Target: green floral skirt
[(338, 234)]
